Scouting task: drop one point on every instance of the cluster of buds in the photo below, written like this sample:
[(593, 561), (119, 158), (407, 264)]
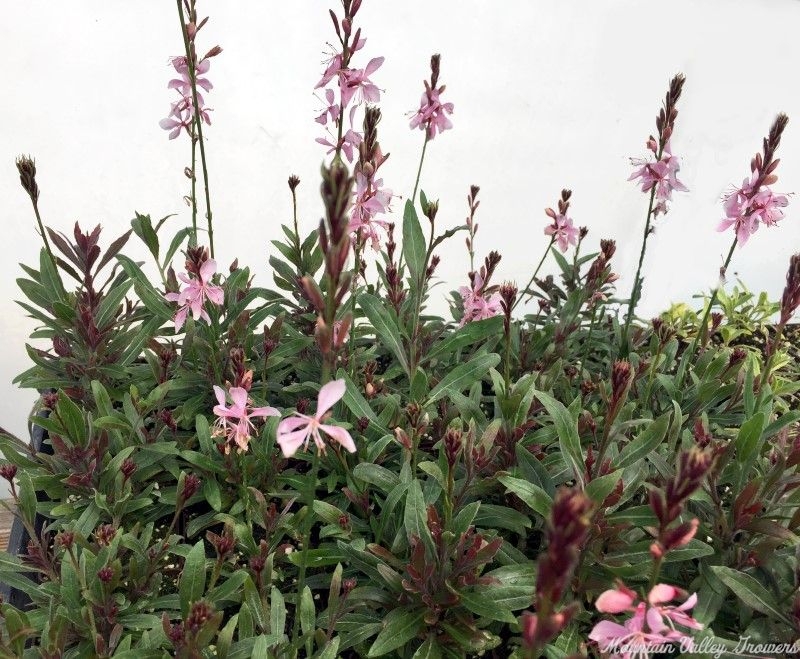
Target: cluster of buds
[(191, 72), (790, 301), (334, 241), (472, 225), (566, 532), (562, 231), (508, 298), (223, 544), (353, 84), (394, 278), (272, 337), (372, 386), (26, 166), (370, 197), (600, 275), (661, 176), (190, 636), (667, 503), (434, 579), (622, 375), (663, 331), (754, 202)]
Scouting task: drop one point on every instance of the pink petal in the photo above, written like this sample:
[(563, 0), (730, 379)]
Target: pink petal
[(239, 397), (264, 411), (208, 269), (292, 441), (329, 395), (661, 593), (341, 436), (219, 392), (180, 318), (374, 65), (291, 423), (614, 601), (606, 630)]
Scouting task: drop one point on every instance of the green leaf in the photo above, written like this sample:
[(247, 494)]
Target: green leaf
[(277, 612), (463, 376), (601, 487), (193, 578), (750, 591), (428, 650), (143, 227), (72, 418), (567, 430), (647, 441), (376, 475), (27, 497), (414, 248), (533, 495), (399, 627), (355, 402), (111, 302), (385, 327), (484, 605), (468, 335), (415, 518), (149, 296)]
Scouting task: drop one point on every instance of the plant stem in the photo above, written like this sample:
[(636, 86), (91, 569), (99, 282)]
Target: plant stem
[(194, 188), (44, 234), (637, 280), (702, 330), (307, 524), (198, 122), (353, 287), (773, 348), (419, 169), (533, 276), (585, 353)]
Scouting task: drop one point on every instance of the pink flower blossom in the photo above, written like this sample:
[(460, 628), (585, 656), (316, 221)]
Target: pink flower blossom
[(745, 208), (370, 200), (332, 110), (181, 112), (235, 421), (297, 430), (194, 295), (356, 82), (184, 84), (432, 113), (563, 232), (661, 175), (476, 305), (651, 626)]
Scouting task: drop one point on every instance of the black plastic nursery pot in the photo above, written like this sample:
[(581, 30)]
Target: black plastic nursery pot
[(18, 538)]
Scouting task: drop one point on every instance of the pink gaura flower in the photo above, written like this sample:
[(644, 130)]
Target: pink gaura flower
[(371, 199), (297, 430), (194, 295), (651, 626), (356, 82), (332, 110), (661, 175), (184, 83), (563, 232), (476, 305), (432, 113), (746, 208), (235, 421)]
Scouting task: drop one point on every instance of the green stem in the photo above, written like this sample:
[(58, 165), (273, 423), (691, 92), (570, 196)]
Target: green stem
[(44, 235), (198, 122), (353, 287), (768, 366), (585, 352), (194, 188), (307, 524), (419, 169), (637, 280), (702, 330), (533, 276)]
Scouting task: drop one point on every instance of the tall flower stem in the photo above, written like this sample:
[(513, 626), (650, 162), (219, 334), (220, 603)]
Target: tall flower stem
[(702, 330), (308, 522), (636, 293), (533, 276), (773, 348), (194, 188), (419, 169), (198, 122)]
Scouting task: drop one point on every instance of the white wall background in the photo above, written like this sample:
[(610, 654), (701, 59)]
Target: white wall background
[(548, 94)]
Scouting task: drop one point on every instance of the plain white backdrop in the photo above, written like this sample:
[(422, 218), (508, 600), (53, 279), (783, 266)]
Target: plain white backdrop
[(548, 94)]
